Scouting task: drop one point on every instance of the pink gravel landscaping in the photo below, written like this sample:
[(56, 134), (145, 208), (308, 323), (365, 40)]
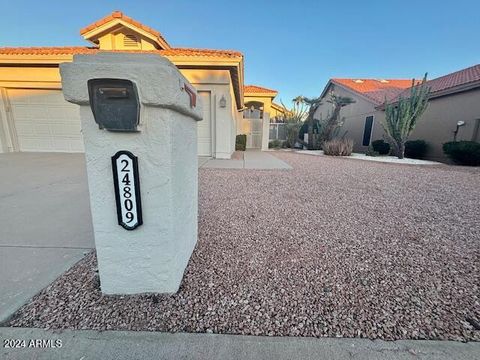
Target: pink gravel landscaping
[(334, 247)]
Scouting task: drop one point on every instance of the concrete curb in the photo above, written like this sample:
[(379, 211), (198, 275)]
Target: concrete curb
[(89, 344)]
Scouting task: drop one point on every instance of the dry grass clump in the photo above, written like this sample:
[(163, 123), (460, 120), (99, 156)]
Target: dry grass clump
[(338, 147)]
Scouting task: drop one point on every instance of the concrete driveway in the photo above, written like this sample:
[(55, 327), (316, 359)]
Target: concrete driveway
[(45, 223)]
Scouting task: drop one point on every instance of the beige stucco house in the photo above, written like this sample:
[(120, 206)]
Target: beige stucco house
[(35, 117), (453, 98), (362, 116), (260, 111)]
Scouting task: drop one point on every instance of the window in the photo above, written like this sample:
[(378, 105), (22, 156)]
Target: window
[(367, 132)]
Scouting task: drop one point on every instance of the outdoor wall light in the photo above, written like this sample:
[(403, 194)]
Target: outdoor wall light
[(222, 102), (455, 133)]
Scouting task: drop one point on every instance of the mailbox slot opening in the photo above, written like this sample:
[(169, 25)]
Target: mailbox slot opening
[(115, 104)]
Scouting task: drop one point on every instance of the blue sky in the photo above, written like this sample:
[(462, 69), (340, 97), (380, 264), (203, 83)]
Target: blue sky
[(291, 46)]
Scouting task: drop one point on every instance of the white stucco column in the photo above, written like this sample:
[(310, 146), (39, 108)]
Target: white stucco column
[(265, 131), (151, 257)]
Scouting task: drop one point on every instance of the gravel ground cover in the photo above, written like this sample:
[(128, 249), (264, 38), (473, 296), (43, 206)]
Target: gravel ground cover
[(334, 247)]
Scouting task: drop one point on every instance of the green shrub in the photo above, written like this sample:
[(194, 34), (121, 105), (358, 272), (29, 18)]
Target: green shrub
[(463, 152), (381, 147), (241, 142), (416, 149), (292, 129), (338, 147), (275, 144)]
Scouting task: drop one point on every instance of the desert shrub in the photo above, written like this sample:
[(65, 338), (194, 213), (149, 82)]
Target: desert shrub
[(371, 151), (316, 144), (241, 142), (275, 144), (416, 149), (381, 147), (463, 152), (292, 129), (338, 147)]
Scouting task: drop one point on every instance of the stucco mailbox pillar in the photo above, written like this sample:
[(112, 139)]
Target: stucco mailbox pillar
[(139, 123)]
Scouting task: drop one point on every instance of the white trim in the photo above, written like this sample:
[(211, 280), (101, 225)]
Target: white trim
[(9, 123), (212, 98)]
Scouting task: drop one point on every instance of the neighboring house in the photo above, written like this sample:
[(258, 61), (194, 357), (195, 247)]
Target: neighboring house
[(454, 97), (35, 117), (259, 111), (360, 117), (279, 113)]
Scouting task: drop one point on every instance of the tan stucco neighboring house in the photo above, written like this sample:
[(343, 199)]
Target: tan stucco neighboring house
[(35, 117), (362, 116), (278, 113), (454, 97), (257, 115)]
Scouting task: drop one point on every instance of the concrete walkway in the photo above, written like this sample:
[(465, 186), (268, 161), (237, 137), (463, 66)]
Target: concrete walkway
[(45, 225), (87, 344), (250, 159)]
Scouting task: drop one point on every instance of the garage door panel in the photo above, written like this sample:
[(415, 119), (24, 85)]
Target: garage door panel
[(44, 121), (204, 127)]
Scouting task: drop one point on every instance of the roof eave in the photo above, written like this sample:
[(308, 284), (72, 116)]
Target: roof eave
[(234, 65), (446, 92), (261, 94)]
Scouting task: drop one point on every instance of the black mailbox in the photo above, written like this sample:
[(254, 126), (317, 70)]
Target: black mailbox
[(114, 104)]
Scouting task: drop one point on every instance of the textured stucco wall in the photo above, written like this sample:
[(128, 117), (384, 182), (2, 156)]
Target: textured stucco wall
[(153, 257)]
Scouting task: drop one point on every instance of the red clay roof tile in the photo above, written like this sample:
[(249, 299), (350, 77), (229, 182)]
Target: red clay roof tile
[(72, 50), (374, 89), (258, 89), (453, 80)]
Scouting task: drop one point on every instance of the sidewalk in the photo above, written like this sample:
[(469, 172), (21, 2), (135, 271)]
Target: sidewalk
[(250, 159), (118, 345)]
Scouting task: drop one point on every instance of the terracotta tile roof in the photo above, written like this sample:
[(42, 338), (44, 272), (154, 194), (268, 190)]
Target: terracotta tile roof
[(201, 52), (72, 50), (57, 50), (258, 89), (374, 89), (119, 15), (453, 80)]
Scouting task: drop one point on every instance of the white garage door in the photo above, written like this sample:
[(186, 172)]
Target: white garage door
[(204, 129), (44, 121)]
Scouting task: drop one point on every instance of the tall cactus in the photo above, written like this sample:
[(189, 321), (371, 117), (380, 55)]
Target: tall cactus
[(402, 116)]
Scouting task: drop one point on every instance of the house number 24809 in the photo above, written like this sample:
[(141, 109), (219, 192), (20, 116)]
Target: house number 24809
[(127, 189)]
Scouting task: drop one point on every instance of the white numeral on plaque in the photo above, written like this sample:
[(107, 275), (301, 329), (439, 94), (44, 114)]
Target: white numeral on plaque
[(127, 189)]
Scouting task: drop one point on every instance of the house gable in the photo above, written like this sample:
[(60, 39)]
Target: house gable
[(119, 32)]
